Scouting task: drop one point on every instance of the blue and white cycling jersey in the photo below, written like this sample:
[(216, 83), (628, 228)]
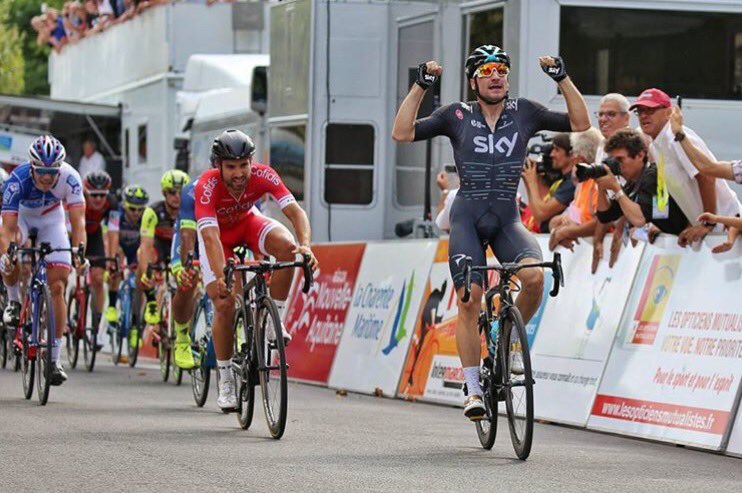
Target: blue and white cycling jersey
[(43, 211), (21, 196)]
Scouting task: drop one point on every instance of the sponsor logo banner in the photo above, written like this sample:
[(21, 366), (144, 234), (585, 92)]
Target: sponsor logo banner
[(571, 335), (316, 319), (675, 368), (382, 316)]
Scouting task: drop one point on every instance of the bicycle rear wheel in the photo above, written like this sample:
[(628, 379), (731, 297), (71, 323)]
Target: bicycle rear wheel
[(73, 318), (90, 341), (28, 367), (245, 378), (3, 347), (272, 366), (200, 375), (518, 387), (164, 348), (487, 427), (46, 335)]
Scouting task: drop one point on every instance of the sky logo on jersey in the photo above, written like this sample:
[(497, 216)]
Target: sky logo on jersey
[(487, 144)]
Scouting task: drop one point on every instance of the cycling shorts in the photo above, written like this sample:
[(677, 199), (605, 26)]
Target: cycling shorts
[(251, 231), (96, 248), (474, 227), (50, 229)]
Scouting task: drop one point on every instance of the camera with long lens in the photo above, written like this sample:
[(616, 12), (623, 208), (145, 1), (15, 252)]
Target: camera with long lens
[(541, 152), (585, 171)]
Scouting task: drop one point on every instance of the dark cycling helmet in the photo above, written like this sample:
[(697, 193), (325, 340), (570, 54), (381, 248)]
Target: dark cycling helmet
[(485, 54), (231, 144), (98, 181), (135, 196), (47, 152)]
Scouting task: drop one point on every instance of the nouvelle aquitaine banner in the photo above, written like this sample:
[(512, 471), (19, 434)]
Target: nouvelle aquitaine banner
[(316, 319), (382, 316), (676, 364), (571, 335)]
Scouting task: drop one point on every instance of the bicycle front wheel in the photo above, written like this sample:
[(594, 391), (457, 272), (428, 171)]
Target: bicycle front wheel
[(272, 366), (516, 361), (73, 317), (46, 336)]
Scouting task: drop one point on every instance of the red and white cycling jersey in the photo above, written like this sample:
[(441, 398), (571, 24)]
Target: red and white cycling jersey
[(215, 206)]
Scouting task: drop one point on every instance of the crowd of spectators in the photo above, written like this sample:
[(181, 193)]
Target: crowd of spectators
[(79, 19), (657, 179)]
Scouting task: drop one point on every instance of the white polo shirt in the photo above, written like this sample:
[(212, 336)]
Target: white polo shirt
[(680, 175)]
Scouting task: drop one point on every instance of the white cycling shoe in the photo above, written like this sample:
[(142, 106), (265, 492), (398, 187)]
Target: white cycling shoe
[(227, 400)]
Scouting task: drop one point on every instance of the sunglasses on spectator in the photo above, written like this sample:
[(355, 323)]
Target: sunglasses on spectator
[(609, 114), (640, 110), (44, 171), (488, 69)]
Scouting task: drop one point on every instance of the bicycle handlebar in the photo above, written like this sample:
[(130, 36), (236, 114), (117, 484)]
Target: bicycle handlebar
[(264, 266), (511, 269)]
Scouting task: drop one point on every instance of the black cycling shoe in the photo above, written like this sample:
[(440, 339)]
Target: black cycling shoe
[(58, 376)]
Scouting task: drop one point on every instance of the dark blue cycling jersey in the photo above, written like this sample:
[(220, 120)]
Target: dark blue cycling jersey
[(489, 164)]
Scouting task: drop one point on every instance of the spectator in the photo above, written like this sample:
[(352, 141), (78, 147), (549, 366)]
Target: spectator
[(442, 219), (91, 159), (728, 170), (613, 115), (55, 25), (579, 219), (636, 199), (561, 193), (676, 176)]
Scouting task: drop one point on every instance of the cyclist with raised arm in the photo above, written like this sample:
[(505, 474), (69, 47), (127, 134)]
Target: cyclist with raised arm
[(489, 138), (33, 199), (156, 236), (225, 196), (101, 209)]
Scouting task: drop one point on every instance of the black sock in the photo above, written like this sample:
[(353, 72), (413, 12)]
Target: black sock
[(150, 295), (113, 297)]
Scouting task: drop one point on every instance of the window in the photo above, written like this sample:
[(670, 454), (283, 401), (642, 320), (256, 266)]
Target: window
[(481, 28), (415, 44), (694, 54), (349, 160), (287, 156), (127, 153), (142, 143)]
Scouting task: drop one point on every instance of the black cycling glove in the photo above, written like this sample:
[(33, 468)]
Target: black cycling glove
[(558, 71), (425, 79)]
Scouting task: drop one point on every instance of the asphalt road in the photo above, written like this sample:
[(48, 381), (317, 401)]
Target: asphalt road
[(119, 429)]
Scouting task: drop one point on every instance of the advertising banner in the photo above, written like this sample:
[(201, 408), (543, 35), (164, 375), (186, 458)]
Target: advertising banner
[(316, 319), (382, 316), (571, 335), (432, 370), (676, 364)]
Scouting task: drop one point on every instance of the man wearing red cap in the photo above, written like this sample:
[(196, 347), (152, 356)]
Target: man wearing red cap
[(676, 175)]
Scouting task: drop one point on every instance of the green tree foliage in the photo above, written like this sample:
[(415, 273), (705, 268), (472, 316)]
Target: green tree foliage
[(19, 14), (11, 56)]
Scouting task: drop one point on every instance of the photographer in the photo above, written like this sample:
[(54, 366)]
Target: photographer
[(637, 199), (561, 192)]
